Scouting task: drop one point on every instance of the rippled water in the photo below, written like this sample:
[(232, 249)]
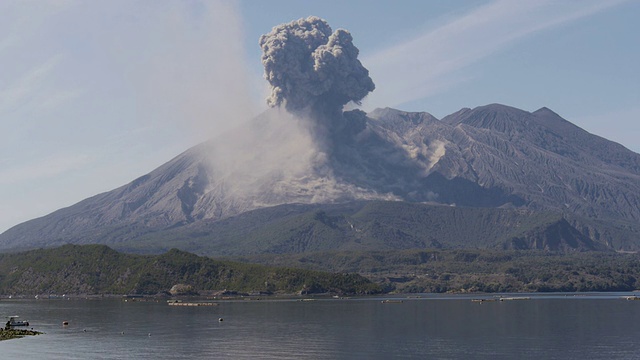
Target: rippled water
[(593, 326)]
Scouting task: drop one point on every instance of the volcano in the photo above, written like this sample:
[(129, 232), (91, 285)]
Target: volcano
[(496, 158)]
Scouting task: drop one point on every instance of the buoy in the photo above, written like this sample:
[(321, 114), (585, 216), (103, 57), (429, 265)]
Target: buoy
[(220, 319)]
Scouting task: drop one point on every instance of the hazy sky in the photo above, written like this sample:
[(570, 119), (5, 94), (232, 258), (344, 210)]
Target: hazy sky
[(96, 93)]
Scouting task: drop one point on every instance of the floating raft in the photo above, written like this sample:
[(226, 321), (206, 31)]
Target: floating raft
[(176, 303), (515, 298), (390, 301)]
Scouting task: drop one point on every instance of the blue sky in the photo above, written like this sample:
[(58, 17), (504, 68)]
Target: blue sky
[(96, 93)]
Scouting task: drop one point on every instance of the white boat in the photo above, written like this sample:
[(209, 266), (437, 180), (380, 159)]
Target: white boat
[(13, 321)]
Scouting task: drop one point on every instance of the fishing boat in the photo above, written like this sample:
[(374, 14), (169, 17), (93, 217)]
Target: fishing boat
[(13, 321)]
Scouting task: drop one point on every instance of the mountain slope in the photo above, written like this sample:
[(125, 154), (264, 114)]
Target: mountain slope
[(490, 156), (371, 225)]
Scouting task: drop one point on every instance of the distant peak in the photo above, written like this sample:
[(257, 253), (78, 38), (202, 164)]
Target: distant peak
[(389, 113), (381, 112), (556, 123), (493, 116), (494, 105), (498, 108), (456, 116), (545, 111)]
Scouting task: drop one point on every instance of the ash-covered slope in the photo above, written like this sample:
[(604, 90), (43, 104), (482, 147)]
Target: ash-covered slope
[(491, 156), (156, 200), (535, 159)]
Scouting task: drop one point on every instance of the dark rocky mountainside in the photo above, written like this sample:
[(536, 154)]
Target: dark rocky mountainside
[(371, 226), (491, 157)]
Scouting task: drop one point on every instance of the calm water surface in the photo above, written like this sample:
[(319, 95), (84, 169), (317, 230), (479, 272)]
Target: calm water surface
[(592, 326)]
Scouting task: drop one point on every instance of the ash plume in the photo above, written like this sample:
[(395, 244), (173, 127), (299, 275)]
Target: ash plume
[(312, 70)]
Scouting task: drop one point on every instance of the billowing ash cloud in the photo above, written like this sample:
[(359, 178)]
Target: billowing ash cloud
[(310, 68)]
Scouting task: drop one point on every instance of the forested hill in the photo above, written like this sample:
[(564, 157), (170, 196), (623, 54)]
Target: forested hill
[(97, 269)]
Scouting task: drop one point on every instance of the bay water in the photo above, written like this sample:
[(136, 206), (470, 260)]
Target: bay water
[(428, 326)]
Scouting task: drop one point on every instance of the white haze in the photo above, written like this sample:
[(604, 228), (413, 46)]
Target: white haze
[(196, 73), (273, 159), (111, 90), (275, 146)]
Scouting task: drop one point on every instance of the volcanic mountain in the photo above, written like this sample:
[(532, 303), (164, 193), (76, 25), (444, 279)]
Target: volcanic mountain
[(512, 164)]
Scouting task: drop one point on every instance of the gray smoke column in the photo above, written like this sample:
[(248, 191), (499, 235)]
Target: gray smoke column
[(312, 69)]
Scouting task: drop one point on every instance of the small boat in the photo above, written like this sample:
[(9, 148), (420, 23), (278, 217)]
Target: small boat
[(14, 322)]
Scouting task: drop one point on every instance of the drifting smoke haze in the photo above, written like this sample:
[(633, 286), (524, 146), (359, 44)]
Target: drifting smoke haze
[(273, 147), (275, 159), (194, 73), (101, 92)]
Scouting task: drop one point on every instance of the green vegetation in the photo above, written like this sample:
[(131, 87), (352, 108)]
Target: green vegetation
[(97, 269), (7, 334), (476, 270)]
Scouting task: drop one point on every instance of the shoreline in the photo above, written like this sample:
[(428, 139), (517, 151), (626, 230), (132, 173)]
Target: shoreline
[(294, 296), (9, 334)]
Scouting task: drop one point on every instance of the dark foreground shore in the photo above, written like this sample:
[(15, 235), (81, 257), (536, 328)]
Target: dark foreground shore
[(7, 334)]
